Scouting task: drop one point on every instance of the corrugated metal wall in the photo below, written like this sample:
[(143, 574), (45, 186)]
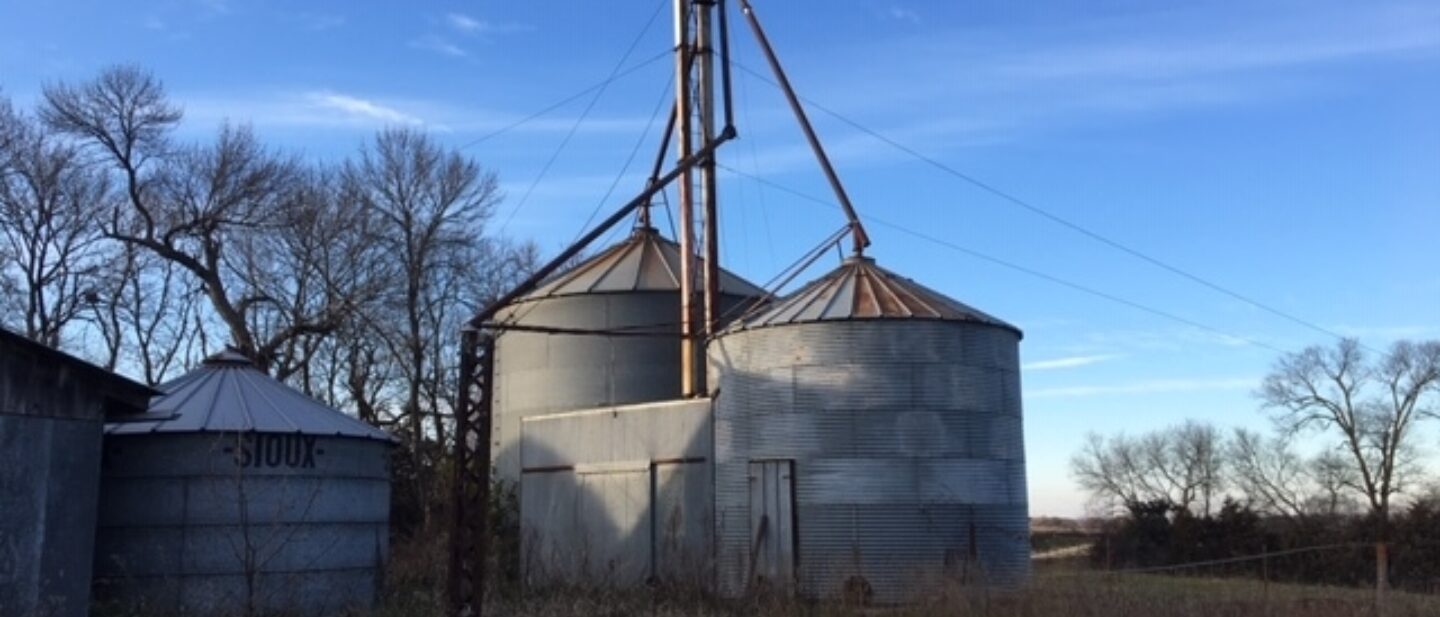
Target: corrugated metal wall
[(616, 495), (52, 411), (313, 529), (539, 373), (907, 442)]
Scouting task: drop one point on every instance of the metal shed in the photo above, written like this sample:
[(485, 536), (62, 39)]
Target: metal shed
[(236, 492), (868, 441), (52, 408), (602, 333)]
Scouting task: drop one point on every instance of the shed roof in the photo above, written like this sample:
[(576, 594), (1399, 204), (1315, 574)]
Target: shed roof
[(131, 394), (859, 289), (645, 261), (227, 393)]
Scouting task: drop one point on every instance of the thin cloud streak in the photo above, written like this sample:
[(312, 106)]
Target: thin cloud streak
[(328, 109), (1069, 362), (1109, 70), (1157, 386), (362, 108), (439, 45), (473, 26)]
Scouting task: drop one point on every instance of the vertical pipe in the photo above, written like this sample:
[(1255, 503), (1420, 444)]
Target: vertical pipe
[(706, 50), (725, 89), (688, 386)]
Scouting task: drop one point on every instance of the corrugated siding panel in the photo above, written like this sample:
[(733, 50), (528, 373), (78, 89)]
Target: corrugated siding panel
[(541, 374), (905, 434), (171, 510), (612, 495)]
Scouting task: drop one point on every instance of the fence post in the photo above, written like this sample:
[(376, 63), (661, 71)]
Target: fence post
[(1265, 574), (1382, 576)]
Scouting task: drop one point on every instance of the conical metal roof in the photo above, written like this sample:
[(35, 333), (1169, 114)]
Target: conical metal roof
[(645, 261), (859, 289), (227, 393)]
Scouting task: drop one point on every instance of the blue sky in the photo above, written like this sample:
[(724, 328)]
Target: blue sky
[(1288, 151)]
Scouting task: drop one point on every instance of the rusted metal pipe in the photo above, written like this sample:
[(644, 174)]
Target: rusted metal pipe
[(532, 281), (705, 50), (860, 238), (689, 382)]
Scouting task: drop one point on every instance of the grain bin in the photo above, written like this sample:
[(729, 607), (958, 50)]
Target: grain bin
[(236, 493), (629, 289), (868, 441)]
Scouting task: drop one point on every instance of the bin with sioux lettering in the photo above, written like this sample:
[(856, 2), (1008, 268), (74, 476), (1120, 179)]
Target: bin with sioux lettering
[(236, 493)]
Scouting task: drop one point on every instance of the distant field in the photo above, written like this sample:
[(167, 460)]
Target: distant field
[(1054, 592)]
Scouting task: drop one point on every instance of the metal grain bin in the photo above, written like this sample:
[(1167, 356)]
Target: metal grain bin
[(236, 493), (52, 410), (868, 442), (629, 288)]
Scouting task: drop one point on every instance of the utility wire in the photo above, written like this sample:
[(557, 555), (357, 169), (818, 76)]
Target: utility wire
[(565, 101), (575, 127), (1008, 264), (1055, 218), (634, 151)]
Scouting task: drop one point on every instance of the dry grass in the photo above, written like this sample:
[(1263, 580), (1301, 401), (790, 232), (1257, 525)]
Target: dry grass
[(1052, 593)]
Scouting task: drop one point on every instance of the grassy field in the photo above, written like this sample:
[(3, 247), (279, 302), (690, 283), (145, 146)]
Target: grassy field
[(1062, 593), (1061, 587)]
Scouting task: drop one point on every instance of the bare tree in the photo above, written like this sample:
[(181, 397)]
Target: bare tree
[(321, 265), (432, 205), (52, 247), (1269, 473), (1274, 478), (209, 209), (1109, 469), (1369, 408), (1181, 465), (147, 314)]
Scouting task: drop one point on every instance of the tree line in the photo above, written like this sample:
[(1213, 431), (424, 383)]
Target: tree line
[(124, 244), (1360, 410)]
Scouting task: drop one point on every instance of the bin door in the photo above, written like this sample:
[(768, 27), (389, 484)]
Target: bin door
[(772, 525)]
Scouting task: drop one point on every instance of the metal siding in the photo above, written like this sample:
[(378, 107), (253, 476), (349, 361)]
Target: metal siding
[(683, 523), (612, 495), (173, 532), (905, 433), (540, 374), (51, 411)]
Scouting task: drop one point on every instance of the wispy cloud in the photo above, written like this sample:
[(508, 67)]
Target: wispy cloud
[(473, 26), (463, 22), (439, 45), (1179, 339), (950, 85), (321, 108), (904, 14), (360, 108), (1067, 362), (1155, 386)]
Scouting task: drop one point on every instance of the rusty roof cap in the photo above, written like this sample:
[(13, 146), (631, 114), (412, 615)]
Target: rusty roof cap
[(645, 261), (861, 290)]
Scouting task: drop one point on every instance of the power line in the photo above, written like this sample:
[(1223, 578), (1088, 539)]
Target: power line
[(1055, 218), (1010, 265), (565, 101), (574, 127), (635, 150)]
